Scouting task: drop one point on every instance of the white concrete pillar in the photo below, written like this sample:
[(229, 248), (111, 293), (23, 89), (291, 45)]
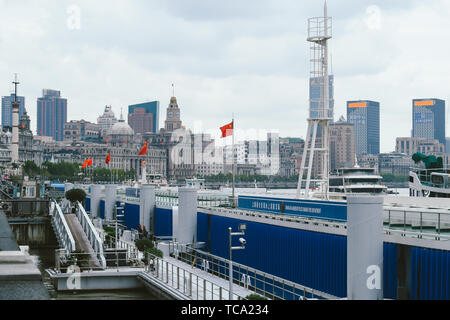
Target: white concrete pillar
[(175, 222), (110, 201), (187, 216), (365, 248), (96, 196), (15, 133), (68, 186), (147, 207)]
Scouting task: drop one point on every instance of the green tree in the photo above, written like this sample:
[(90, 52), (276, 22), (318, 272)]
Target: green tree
[(31, 169), (75, 195)]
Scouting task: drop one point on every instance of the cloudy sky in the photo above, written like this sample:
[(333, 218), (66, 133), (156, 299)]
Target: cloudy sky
[(249, 57)]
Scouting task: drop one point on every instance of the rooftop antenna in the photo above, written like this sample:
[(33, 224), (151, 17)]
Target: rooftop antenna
[(121, 115), (15, 82)]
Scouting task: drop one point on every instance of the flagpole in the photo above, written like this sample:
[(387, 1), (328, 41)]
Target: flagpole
[(234, 166)]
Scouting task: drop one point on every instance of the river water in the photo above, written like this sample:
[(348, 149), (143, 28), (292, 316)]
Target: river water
[(44, 258)]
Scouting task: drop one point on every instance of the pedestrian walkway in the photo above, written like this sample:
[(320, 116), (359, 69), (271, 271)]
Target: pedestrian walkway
[(193, 283), (81, 241)]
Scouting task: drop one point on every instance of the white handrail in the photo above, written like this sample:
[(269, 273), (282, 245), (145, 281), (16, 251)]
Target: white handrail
[(62, 229), (91, 233)]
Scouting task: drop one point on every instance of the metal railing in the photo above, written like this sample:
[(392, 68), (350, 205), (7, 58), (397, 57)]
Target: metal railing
[(259, 282), (185, 281), (86, 263), (91, 233), (336, 225), (417, 223), (61, 228), (132, 251)]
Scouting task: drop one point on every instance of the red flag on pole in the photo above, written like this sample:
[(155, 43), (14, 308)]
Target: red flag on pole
[(227, 130), (85, 164), (108, 158), (90, 162), (144, 149)]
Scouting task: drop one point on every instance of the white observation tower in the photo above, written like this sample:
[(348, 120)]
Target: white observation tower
[(321, 114)]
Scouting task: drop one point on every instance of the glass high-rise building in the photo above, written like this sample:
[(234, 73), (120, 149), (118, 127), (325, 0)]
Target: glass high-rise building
[(51, 114), (144, 117), (365, 116), (315, 90), (7, 109), (429, 119)]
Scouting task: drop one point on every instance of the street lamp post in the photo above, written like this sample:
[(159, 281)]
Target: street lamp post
[(242, 228), (117, 216)]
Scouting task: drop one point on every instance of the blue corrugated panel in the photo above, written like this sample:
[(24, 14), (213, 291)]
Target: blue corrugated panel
[(390, 271), (163, 222), (430, 274), (202, 226), (131, 219), (102, 209), (88, 204), (312, 259)]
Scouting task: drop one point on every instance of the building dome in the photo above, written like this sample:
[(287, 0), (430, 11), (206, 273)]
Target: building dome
[(121, 129)]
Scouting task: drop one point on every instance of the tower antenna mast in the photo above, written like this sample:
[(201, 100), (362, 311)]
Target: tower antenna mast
[(320, 112)]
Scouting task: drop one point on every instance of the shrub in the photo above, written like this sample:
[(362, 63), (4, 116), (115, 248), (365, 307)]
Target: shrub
[(156, 252), (75, 195), (255, 297), (143, 244)]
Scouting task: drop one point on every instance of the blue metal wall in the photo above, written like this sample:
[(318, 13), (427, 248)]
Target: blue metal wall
[(312, 259), (163, 222), (430, 274), (316, 260), (390, 270), (131, 219), (102, 209), (88, 205)]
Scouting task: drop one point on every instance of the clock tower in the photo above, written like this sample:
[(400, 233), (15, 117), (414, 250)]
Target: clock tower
[(173, 121)]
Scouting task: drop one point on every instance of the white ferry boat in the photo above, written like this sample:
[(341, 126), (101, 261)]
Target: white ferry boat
[(429, 183), (357, 180)]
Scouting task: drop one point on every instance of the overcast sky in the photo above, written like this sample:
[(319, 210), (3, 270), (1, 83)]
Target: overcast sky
[(249, 57)]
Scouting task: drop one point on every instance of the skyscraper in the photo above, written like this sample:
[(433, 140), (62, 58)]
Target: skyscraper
[(7, 109), (342, 145), (315, 96), (429, 119), (365, 116), (144, 117), (51, 114)]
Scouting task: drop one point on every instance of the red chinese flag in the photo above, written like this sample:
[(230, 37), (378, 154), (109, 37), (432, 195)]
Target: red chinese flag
[(90, 162), (144, 149), (85, 164), (108, 158), (227, 130)]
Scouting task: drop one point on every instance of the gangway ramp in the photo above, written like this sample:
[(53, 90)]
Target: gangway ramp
[(81, 241)]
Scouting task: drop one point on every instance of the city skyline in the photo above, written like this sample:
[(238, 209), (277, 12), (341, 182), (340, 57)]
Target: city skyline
[(262, 53)]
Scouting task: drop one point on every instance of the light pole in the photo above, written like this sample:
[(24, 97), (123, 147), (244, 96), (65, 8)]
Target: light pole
[(242, 228), (117, 216)]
